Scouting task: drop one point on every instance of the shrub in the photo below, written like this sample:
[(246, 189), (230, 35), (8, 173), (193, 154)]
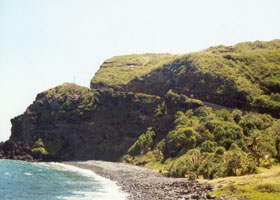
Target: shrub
[(224, 114), (178, 168), (143, 144), (192, 176), (212, 166), (182, 138), (220, 151), (236, 114), (228, 133), (236, 161), (38, 143), (262, 147), (160, 146), (208, 146), (40, 150)]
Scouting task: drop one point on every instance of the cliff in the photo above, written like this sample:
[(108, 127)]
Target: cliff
[(76, 123)]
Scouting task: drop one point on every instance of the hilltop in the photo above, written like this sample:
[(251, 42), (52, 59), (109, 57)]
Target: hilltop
[(244, 76)]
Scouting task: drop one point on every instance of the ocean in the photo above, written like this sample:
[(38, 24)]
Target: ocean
[(49, 181)]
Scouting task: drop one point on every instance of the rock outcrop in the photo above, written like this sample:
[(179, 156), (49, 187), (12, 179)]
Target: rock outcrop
[(76, 123), (16, 151)]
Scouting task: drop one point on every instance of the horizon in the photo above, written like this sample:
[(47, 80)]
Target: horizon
[(45, 44)]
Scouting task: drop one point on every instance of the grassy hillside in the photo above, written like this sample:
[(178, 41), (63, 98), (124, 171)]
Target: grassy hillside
[(247, 74), (120, 70)]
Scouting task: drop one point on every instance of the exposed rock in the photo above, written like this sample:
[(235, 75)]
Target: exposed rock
[(16, 151), (78, 123)]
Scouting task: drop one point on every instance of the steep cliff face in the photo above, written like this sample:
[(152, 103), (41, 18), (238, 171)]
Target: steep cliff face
[(245, 76), (75, 122)]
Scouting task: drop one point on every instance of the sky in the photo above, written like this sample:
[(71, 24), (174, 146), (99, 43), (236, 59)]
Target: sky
[(44, 43)]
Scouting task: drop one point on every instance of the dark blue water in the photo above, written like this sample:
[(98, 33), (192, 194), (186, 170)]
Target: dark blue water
[(33, 181)]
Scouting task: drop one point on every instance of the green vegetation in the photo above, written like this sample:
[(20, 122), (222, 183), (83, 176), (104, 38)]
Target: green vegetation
[(70, 97), (253, 191), (120, 70), (211, 144), (39, 148), (261, 186), (143, 144), (247, 73)]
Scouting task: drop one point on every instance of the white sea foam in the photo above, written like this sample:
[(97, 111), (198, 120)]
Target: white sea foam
[(7, 173), (109, 191)]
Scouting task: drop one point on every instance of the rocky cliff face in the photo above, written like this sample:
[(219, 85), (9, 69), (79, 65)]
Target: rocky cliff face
[(74, 122)]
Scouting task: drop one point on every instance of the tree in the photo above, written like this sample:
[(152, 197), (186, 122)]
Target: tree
[(182, 138), (261, 146)]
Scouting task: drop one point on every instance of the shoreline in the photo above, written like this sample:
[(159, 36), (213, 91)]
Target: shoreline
[(144, 184)]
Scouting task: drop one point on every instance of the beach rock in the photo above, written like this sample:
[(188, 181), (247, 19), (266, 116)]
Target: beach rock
[(16, 151)]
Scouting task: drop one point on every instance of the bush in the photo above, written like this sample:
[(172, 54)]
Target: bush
[(236, 161), (182, 138), (192, 176), (208, 146), (212, 166), (38, 143), (160, 146), (262, 146), (228, 133), (178, 168), (40, 150), (220, 151), (224, 114), (236, 114), (143, 144)]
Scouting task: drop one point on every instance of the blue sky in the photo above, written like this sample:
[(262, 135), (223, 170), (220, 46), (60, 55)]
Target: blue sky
[(44, 43)]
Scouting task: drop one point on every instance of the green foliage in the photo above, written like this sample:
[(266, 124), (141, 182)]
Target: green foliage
[(230, 142), (182, 138), (39, 148), (268, 187), (120, 70), (224, 114), (262, 147), (220, 151), (266, 191), (216, 144), (208, 146), (38, 143), (228, 133), (185, 164), (160, 146), (236, 163), (143, 143)]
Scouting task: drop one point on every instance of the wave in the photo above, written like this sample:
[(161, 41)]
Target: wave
[(108, 190)]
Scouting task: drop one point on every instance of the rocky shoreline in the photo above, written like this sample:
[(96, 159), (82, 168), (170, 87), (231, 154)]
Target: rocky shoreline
[(17, 151), (144, 184)]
